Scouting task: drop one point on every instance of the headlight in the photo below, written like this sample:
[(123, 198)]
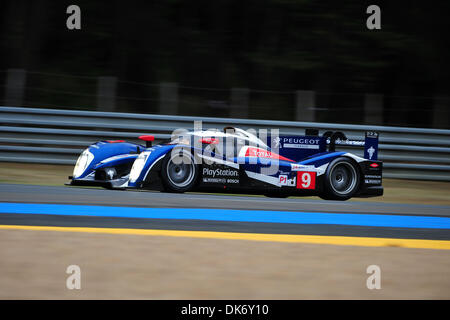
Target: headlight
[(138, 165), (82, 163)]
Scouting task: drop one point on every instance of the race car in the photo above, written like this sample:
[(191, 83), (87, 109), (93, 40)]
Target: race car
[(237, 161)]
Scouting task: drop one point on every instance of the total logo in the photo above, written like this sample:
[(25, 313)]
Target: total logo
[(261, 153), (284, 180)]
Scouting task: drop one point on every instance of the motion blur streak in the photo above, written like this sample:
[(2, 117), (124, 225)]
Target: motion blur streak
[(333, 240), (374, 220)]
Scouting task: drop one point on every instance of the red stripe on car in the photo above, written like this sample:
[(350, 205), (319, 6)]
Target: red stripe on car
[(261, 153)]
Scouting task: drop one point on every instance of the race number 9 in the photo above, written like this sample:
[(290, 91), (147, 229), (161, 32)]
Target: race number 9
[(306, 180)]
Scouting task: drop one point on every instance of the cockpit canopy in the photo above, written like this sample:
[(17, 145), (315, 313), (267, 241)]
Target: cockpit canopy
[(241, 136)]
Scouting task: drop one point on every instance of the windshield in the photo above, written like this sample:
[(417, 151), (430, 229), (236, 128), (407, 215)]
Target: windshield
[(250, 138), (232, 139)]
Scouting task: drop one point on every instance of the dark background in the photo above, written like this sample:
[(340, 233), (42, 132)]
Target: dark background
[(208, 47)]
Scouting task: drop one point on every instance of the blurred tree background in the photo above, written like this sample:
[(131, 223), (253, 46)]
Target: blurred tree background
[(272, 47)]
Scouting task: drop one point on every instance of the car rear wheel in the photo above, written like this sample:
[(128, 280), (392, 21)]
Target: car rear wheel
[(179, 172), (342, 180)]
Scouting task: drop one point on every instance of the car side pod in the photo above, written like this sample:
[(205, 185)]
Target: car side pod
[(148, 140)]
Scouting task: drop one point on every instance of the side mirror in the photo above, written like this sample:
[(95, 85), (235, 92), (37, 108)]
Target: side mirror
[(148, 140), (209, 140)]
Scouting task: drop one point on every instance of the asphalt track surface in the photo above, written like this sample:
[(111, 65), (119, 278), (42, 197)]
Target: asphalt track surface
[(106, 201)]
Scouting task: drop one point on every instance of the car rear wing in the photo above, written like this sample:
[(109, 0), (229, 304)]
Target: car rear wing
[(370, 143)]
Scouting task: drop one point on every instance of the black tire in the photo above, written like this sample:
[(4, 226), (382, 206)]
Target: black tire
[(342, 180), (179, 172)]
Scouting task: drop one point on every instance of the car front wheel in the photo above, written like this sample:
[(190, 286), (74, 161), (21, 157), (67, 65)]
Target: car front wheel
[(178, 171)]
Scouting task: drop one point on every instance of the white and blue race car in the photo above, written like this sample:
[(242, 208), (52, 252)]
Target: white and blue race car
[(237, 161)]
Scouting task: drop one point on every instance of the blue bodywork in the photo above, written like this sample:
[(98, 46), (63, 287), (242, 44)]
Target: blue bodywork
[(103, 150), (154, 154)]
